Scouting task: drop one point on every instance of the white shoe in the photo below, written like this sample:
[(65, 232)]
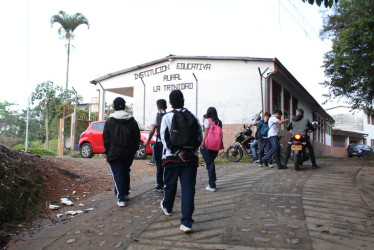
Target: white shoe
[(260, 165), (121, 203), (208, 188), (185, 229), (271, 166), (164, 209)]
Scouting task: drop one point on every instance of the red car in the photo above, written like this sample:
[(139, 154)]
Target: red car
[(91, 141)]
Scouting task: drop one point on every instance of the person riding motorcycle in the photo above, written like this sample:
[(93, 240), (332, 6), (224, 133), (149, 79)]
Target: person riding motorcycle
[(300, 125)]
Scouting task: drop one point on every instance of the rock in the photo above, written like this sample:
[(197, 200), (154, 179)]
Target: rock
[(59, 215), (119, 244), (77, 232), (270, 225), (71, 212), (287, 210), (81, 204), (102, 243), (245, 230), (53, 207), (74, 192), (261, 239), (89, 209), (69, 241), (293, 226)]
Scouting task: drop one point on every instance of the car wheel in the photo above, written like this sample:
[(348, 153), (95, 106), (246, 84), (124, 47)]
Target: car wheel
[(350, 156), (86, 150), (141, 153)]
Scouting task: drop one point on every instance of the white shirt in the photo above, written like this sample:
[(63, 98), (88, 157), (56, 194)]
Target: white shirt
[(274, 127), (154, 122), (166, 124)]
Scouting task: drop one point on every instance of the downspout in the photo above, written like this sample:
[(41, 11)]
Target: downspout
[(262, 92), (197, 92), (143, 101), (268, 83)]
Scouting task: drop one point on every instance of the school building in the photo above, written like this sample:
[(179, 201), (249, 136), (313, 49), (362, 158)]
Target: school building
[(238, 87)]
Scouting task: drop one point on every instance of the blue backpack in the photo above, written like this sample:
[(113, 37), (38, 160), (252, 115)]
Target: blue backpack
[(264, 130)]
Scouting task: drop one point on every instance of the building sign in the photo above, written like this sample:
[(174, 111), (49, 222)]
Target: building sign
[(152, 72)]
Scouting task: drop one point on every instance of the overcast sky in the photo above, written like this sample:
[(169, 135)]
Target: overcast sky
[(125, 33)]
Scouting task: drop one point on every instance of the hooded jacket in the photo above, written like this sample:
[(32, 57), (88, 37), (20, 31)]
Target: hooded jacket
[(300, 125), (121, 136)]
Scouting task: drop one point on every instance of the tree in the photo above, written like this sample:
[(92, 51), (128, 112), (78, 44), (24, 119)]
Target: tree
[(68, 25), (350, 63), (49, 98), (327, 3)]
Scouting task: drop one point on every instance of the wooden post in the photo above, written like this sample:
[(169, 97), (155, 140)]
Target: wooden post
[(61, 138)]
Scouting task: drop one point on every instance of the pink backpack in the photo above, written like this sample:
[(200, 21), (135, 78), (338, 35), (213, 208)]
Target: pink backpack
[(213, 140)]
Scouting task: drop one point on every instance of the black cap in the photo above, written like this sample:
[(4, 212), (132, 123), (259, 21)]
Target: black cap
[(119, 103)]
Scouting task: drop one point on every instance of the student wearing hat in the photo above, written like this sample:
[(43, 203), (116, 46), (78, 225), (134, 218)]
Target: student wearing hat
[(121, 138)]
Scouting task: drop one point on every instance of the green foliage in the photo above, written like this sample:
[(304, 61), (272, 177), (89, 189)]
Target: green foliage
[(327, 3), (349, 65), (37, 151), (68, 23)]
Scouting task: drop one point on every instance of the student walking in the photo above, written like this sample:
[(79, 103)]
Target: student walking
[(254, 123), (274, 122), (157, 148), (121, 138), (181, 137), (212, 143), (263, 140)]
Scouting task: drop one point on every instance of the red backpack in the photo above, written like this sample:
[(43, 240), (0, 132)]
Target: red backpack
[(213, 140)]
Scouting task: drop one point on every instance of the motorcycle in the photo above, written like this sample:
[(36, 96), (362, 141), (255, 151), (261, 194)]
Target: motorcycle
[(298, 148), (242, 143)]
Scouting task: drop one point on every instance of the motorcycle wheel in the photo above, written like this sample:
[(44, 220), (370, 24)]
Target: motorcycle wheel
[(296, 159), (234, 153)]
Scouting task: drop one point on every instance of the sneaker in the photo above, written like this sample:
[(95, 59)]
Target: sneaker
[(260, 165), (164, 209), (121, 203), (266, 163), (208, 188), (315, 167), (159, 190), (185, 229), (271, 165)]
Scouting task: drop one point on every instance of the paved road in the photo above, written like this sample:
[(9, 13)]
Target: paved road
[(258, 208)]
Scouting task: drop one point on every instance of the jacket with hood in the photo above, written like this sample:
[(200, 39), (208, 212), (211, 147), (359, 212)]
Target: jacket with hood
[(121, 136), (300, 125)]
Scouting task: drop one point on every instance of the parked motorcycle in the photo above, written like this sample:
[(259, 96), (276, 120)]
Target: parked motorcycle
[(298, 148), (243, 141)]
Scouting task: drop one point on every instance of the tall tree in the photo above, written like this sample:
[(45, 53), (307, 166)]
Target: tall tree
[(68, 24), (350, 63)]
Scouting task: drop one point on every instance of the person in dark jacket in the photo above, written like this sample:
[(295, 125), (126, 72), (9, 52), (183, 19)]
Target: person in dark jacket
[(300, 125), (121, 138)]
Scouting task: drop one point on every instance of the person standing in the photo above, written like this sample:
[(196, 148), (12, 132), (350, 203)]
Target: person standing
[(208, 154), (158, 147), (274, 124), (254, 144), (263, 139), (181, 137), (121, 138)]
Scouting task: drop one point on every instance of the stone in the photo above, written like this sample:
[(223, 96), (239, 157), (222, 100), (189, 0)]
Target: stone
[(136, 216), (119, 244), (293, 226), (69, 241), (77, 232), (289, 233), (261, 239), (53, 207), (245, 230), (102, 243), (270, 225), (154, 211), (287, 211), (101, 233)]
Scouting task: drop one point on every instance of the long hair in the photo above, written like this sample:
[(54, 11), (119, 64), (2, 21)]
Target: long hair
[(212, 114)]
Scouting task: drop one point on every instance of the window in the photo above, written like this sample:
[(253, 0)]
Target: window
[(372, 142), (286, 104), (295, 102), (98, 126), (277, 90), (372, 119), (328, 129)]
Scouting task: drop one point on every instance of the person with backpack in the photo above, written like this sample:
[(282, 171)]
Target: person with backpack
[(158, 147), (212, 143), (263, 140), (254, 123), (181, 138), (274, 123), (121, 138)]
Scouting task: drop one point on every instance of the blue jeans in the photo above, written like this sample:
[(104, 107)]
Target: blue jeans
[(275, 149), (157, 149), (253, 149), (186, 171), (264, 145), (121, 175), (209, 157)]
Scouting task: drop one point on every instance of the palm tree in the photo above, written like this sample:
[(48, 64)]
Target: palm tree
[(68, 25)]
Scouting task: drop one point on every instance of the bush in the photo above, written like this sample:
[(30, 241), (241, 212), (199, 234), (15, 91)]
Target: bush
[(37, 151)]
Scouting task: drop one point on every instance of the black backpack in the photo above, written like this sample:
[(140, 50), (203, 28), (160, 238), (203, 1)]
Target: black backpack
[(158, 123), (185, 133)]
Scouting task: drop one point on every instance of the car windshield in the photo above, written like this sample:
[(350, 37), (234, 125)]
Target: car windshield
[(142, 127)]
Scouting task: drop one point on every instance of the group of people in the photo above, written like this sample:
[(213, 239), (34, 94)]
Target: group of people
[(267, 138), (179, 138)]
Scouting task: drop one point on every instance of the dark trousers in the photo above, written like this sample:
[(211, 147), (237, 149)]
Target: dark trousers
[(186, 171), (160, 170), (120, 169), (275, 149), (309, 147), (209, 157), (264, 146)]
